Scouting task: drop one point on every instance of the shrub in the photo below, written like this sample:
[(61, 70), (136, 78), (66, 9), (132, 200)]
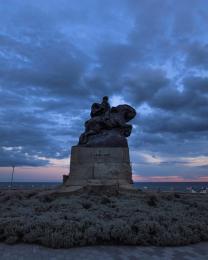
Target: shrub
[(152, 201), (86, 205)]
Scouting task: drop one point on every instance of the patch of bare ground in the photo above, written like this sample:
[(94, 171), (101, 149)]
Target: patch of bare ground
[(93, 217)]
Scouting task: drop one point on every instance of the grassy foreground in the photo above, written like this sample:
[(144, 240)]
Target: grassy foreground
[(93, 217)]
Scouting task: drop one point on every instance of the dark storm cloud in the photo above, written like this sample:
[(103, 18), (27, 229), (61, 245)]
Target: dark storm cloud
[(197, 55), (159, 123), (57, 57), (54, 65), (16, 157), (144, 84), (193, 98)]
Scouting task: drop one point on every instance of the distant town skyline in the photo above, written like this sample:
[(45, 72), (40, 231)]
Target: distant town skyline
[(58, 57)]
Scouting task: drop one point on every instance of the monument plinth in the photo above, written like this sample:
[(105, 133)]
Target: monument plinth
[(102, 154)]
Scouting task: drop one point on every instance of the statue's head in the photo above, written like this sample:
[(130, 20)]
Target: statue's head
[(105, 98)]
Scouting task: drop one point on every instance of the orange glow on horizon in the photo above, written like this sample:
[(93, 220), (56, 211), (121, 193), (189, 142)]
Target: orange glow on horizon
[(31, 174)]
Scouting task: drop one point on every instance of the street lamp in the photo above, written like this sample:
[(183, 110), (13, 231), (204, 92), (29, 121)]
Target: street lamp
[(12, 176)]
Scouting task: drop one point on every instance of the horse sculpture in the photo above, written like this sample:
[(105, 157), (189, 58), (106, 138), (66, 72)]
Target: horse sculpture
[(107, 126)]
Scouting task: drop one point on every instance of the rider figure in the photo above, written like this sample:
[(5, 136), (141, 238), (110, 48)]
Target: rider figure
[(105, 107), (102, 109)]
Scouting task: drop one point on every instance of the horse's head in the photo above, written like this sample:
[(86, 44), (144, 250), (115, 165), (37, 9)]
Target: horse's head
[(127, 111)]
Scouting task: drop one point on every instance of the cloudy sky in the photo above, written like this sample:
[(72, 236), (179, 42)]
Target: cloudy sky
[(57, 57)]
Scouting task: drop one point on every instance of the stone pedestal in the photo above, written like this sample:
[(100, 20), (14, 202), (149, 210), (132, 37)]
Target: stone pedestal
[(99, 166)]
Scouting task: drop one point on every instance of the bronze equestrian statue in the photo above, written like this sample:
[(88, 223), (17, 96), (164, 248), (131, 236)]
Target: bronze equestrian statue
[(108, 125)]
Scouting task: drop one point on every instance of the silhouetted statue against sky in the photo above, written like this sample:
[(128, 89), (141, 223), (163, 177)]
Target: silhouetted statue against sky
[(108, 126)]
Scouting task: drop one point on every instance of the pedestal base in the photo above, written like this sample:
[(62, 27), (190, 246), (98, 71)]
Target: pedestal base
[(99, 166)]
